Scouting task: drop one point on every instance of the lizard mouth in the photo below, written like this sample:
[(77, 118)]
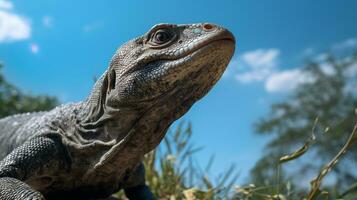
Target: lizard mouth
[(191, 48), (223, 36)]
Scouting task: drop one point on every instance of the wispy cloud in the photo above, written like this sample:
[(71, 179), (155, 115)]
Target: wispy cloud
[(308, 52), (347, 44), (92, 26), (34, 48), (262, 65), (287, 80), (261, 58), (13, 27), (6, 4), (47, 21), (257, 65)]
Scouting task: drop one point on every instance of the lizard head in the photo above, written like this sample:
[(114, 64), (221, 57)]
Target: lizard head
[(160, 75), (155, 79), (171, 62)]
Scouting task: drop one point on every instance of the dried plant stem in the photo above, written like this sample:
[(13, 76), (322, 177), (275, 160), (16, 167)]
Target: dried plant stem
[(315, 183)]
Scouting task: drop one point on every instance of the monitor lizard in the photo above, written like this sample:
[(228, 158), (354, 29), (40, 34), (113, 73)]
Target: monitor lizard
[(94, 148)]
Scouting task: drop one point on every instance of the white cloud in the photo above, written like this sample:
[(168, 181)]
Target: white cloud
[(287, 80), (254, 75), (34, 48), (327, 68), (13, 27), (261, 58), (47, 21), (262, 65), (347, 44), (6, 4), (257, 65)]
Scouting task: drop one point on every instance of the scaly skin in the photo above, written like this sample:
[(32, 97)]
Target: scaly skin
[(94, 148)]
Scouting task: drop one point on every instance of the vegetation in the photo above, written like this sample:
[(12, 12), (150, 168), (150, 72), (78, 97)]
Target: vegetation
[(13, 100), (318, 118), (172, 173), (324, 108)]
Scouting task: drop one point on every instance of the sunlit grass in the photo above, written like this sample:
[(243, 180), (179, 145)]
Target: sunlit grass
[(172, 173)]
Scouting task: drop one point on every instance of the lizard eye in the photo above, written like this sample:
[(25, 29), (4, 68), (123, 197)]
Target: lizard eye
[(161, 36)]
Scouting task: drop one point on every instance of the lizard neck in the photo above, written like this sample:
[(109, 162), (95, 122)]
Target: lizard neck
[(107, 122)]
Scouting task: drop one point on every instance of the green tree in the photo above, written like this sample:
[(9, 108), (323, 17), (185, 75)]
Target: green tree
[(13, 100), (329, 97)]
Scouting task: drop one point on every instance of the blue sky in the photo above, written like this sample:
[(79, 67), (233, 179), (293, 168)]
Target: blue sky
[(57, 46)]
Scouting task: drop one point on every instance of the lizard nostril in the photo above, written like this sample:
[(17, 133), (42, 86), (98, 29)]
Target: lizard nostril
[(208, 27)]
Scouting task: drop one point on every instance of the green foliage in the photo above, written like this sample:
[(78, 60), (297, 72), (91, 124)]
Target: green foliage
[(331, 98), (350, 193), (13, 101)]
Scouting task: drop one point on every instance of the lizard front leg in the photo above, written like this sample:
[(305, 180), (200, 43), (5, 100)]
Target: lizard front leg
[(12, 189), (28, 163), (135, 188)]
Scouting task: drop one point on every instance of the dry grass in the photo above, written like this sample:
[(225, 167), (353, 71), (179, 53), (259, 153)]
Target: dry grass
[(172, 173)]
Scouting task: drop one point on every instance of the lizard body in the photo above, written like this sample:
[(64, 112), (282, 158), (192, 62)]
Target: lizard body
[(94, 148)]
